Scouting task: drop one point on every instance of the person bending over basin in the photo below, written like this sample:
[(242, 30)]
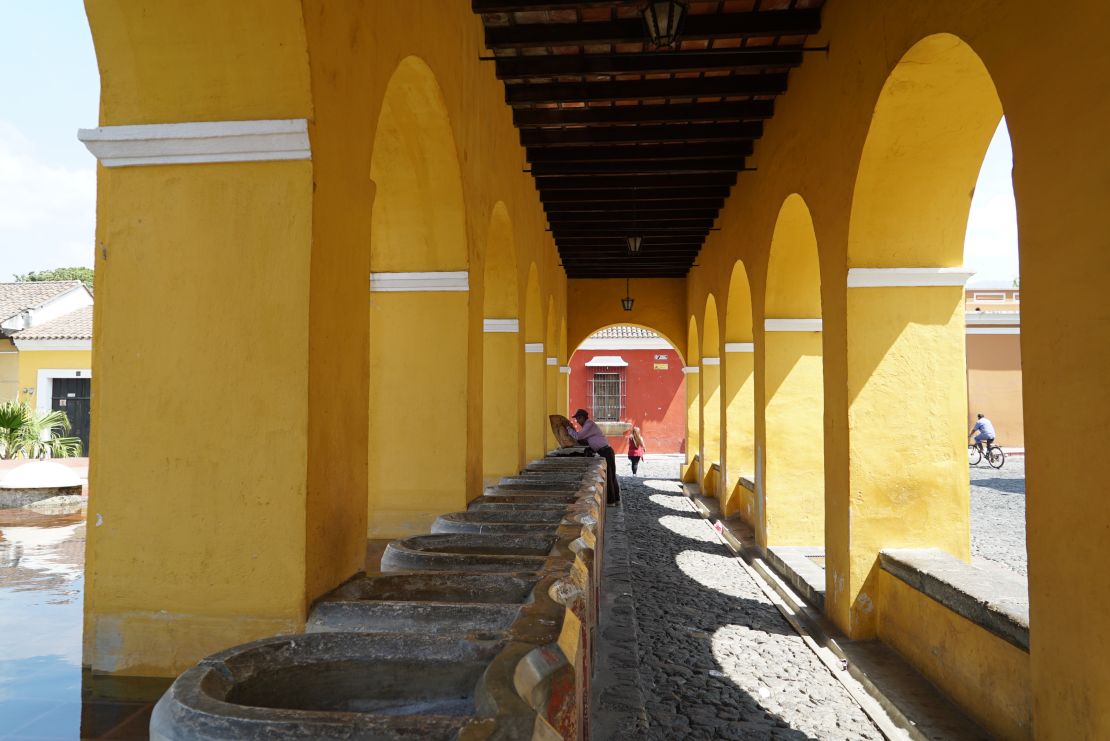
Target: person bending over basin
[(588, 432)]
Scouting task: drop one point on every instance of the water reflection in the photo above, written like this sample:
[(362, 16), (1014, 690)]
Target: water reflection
[(41, 579)]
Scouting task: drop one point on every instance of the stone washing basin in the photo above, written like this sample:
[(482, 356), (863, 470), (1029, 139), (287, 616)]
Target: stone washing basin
[(329, 686), (429, 602), (500, 521), (527, 501), (468, 552), (522, 483)]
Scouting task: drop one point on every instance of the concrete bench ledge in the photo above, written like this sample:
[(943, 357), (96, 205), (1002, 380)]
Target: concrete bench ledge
[(995, 600), (747, 484)]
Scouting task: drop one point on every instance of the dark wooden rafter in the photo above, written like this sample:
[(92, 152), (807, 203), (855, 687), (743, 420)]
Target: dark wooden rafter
[(625, 139)]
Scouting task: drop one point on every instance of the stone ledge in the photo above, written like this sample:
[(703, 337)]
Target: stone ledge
[(996, 601)]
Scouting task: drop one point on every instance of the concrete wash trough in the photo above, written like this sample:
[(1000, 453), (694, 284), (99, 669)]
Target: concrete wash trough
[(537, 521), (469, 552), (478, 605), (529, 483), (346, 686)]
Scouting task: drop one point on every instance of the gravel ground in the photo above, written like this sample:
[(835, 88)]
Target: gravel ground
[(716, 659), (998, 514)]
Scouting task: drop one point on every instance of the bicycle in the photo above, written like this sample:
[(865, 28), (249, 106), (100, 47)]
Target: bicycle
[(995, 456)]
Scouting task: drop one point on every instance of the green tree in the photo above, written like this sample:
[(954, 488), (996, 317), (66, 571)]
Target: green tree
[(85, 275), (26, 432)]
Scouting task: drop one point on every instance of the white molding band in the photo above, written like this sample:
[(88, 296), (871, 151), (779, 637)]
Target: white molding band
[(739, 347), (501, 325), (198, 142), (536, 347), (792, 325), (691, 369), (456, 280), (626, 343), (564, 369), (710, 361), (907, 277), (33, 345), (552, 361), (1012, 319)]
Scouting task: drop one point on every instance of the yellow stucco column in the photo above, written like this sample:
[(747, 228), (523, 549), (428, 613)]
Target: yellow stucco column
[(418, 392), (551, 378), (197, 540), (710, 409), (790, 503), (693, 415), (501, 381), (535, 401), (738, 434), (906, 471)]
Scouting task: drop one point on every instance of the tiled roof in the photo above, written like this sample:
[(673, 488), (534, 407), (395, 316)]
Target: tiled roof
[(15, 297), (624, 333), (76, 325)]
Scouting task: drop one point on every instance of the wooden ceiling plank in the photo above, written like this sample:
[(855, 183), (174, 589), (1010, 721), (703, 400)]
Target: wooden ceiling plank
[(554, 65), (683, 87), (749, 110), (747, 131)]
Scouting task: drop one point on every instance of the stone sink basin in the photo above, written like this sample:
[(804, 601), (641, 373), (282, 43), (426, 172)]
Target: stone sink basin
[(428, 602), (469, 552), (539, 483), (331, 686), (518, 501), (500, 521)]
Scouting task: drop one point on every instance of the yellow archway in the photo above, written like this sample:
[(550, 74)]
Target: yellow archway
[(551, 369), (790, 507), (502, 435), (930, 129), (419, 300), (738, 400)]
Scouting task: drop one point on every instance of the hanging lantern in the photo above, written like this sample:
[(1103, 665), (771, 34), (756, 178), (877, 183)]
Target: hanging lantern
[(663, 19), (634, 244), (627, 301)]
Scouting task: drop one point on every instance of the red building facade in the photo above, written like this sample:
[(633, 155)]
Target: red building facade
[(628, 376)]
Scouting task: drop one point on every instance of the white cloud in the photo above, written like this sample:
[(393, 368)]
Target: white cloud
[(47, 212)]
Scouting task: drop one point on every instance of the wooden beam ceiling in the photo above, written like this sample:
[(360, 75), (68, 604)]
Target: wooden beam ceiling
[(622, 138)]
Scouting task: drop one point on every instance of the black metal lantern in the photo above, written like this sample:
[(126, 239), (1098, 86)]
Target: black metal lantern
[(663, 19), (627, 301), (634, 244)]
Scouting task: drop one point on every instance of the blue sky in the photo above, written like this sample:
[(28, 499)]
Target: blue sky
[(48, 178)]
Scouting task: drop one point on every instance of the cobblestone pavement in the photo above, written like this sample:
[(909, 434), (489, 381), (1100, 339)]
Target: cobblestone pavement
[(716, 660), (998, 514)]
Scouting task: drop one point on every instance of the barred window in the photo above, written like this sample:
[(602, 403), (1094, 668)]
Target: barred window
[(607, 396)]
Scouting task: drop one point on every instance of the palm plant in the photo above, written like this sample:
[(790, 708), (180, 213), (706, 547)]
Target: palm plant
[(26, 432)]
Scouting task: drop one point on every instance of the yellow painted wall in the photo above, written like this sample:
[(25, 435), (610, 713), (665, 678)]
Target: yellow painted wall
[(219, 519), (501, 448), (710, 409), (596, 303), (982, 673), (994, 385), (264, 259), (9, 370), (819, 158), (790, 507), (739, 429), (32, 361)]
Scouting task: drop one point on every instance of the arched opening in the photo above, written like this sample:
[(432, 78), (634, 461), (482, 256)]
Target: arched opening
[(905, 472), (710, 407), (738, 432), (692, 471), (790, 497), (419, 300), (535, 397), (629, 375), (502, 438)]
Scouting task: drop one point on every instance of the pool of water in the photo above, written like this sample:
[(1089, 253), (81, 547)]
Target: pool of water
[(43, 693)]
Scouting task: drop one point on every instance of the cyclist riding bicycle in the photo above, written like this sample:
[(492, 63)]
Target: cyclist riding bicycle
[(985, 437)]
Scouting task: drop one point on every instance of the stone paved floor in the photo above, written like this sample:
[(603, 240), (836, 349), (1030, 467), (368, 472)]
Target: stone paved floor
[(998, 514), (716, 659)]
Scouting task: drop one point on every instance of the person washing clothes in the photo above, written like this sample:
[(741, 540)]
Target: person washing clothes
[(588, 432), (636, 449)]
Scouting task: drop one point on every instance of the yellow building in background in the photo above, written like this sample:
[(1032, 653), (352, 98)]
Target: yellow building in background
[(46, 348)]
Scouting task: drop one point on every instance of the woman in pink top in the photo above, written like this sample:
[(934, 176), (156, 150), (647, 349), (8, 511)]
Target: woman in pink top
[(636, 448)]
